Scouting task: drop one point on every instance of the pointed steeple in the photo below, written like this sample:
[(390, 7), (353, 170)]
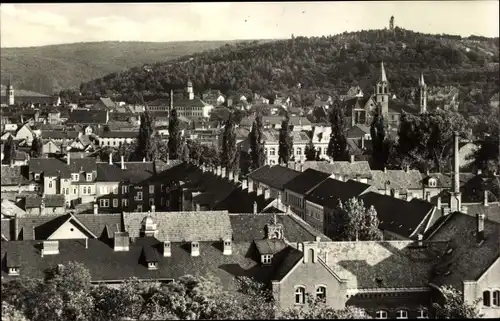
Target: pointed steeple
[(383, 77)]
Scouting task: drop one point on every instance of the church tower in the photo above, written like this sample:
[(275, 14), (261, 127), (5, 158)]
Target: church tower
[(190, 90), (422, 89), (10, 94), (391, 23), (382, 92)]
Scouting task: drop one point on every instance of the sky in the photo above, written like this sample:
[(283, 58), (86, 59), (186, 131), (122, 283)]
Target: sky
[(25, 25)]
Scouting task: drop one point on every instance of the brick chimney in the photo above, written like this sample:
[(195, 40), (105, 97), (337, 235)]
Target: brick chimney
[(227, 249), (255, 207), (197, 207), (121, 242), (480, 227), (122, 161), (407, 169), (96, 209), (353, 159), (485, 198), (110, 158), (68, 158)]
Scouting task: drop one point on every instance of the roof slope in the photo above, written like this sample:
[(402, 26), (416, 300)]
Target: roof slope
[(330, 191), (344, 168), (399, 179), (305, 181), (273, 176)]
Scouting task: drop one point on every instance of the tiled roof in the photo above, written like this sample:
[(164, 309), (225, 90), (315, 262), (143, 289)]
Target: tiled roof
[(183, 226), (56, 200), (59, 167), (240, 201), (492, 211), (213, 188), (468, 260), (59, 134), (6, 228), (356, 132), (344, 168), (305, 181), (294, 120), (106, 265), (272, 135), (107, 102), (330, 191), (119, 134), (248, 227), (445, 180), (399, 179), (9, 208), (386, 264), (397, 215), (102, 224), (83, 116), (135, 172), (273, 176), (185, 102), (14, 175)]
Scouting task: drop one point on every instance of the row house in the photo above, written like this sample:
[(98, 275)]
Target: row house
[(298, 123), (341, 170), (287, 254), (14, 180), (93, 117), (116, 138), (272, 178)]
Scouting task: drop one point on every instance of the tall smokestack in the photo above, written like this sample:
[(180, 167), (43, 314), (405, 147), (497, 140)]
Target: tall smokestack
[(456, 197), (171, 99)]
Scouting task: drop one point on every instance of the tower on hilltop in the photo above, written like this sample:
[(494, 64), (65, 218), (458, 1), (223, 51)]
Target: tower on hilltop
[(422, 89), (391, 23), (10, 93)]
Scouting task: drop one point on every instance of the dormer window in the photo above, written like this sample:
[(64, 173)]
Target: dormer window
[(13, 271), (37, 177), (75, 177), (432, 182), (89, 177), (195, 249), (153, 266), (266, 259)]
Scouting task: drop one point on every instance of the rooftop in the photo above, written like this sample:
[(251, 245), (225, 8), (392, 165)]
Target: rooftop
[(307, 180), (273, 176)]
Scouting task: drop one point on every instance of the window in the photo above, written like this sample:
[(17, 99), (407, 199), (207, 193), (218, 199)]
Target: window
[(422, 314), (496, 298), (300, 295), (115, 202), (299, 151), (13, 271), (104, 190), (266, 259), (75, 177), (104, 202), (139, 196), (50, 184), (486, 298), (265, 151), (151, 201), (381, 314), (272, 152), (124, 189), (124, 202), (75, 190), (151, 189), (37, 177), (139, 208), (432, 182), (162, 187), (321, 292), (115, 190), (402, 314), (89, 177)]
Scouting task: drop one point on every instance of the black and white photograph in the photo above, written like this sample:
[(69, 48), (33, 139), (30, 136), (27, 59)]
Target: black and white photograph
[(250, 160)]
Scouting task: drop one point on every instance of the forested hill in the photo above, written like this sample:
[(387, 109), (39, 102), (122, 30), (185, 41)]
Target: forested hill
[(47, 69), (325, 65)]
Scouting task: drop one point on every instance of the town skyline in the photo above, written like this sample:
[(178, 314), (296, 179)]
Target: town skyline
[(50, 24)]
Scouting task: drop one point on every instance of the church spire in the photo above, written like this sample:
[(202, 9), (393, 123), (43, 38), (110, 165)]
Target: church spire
[(383, 75)]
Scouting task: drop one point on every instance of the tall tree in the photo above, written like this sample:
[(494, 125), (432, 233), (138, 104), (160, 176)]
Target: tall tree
[(337, 147), (310, 152), (174, 134), (377, 131), (36, 147), (257, 143), (285, 148), (426, 140), (352, 221), (146, 146), (453, 305), (230, 156), (9, 149)]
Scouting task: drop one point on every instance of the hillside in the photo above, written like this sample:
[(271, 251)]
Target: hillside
[(48, 69), (322, 65)]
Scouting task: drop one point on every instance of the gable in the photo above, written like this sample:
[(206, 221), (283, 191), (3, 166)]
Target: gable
[(69, 230)]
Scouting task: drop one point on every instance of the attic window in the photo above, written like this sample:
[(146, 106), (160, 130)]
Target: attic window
[(13, 271), (379, 281), (152, 266), (266, 259), (37, 177), (432, 182)]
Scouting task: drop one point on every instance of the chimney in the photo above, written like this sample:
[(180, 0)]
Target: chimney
[(255, 207), (479, 172), (428, 172), (362, 142), (439, 206), (428, 196), (167, 249), (244, 184), (456, 165), (171, 99), (122, 162), (144, 159), (110, 158), (407, 169), (352, 159), (250, 187), (96, 209), (195, 249), (420, 240), (122, 242), (301, 167), (16, 228), (385, 169), (68, 158), (223, 172), (480, 227), (259, 191), (50, 248), (86, 242), (485, 198), (219, 171), (153, 208), (396, 193), (197, 207), (236, 177), (408, 196), (227, 250), (267, 194), (230, 175)]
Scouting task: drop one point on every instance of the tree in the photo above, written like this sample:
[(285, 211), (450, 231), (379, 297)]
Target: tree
[(353, 222), (257, 143), (9, 150), (146, 147), (337, 147), (11, 313), (195, 150), (174, 134), (230, 156), (377, 131), (36, 147), (285, 148), (426, 140), (310, 152), (454, 307)]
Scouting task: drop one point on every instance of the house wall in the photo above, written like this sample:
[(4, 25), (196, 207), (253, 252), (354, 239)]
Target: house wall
[(25, 133), (51, 185), (114, 141), (489, 281), (310, 275), (314, 215), (46, 211), (49, 148), (296, 202), (68, 231)]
